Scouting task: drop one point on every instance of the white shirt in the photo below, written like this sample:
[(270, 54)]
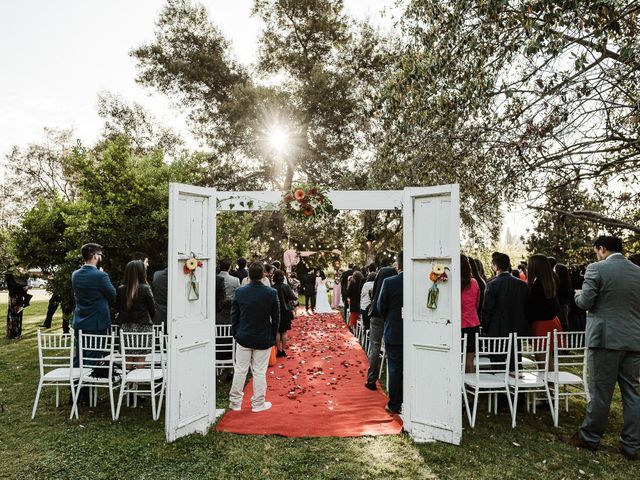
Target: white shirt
[(365, 300)]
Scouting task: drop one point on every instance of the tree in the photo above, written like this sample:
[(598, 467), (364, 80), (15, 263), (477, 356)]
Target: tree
[(558, 234), (525, 89)]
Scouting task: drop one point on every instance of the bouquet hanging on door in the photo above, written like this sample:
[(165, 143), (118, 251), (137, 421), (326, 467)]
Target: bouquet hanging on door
[(189, 268), (438, 275)]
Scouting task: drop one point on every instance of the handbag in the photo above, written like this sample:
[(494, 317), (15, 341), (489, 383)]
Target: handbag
[(272, 357)]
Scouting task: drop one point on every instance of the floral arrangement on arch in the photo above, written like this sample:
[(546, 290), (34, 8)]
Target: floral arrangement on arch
[(306, 202)]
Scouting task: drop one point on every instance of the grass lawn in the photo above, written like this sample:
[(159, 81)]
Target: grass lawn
[(52, 446)]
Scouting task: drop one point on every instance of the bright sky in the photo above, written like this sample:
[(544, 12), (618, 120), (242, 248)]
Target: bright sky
[(56, 55)]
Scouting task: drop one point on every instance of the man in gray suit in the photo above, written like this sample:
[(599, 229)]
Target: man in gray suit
[(611, 295), (231, 283)]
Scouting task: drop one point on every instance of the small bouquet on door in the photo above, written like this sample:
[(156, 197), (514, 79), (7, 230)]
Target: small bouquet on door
[(189, 268), (438, 275)]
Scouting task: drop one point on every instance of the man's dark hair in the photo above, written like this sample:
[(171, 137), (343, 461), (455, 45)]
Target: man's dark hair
[(278, 277), (242, 262), (139, 256), (225, 265), (276, 264), (350, 266), (502, 261), (613, 244), (268, 268), (399, 259), (89, 250), (256, 271), (371, 268)]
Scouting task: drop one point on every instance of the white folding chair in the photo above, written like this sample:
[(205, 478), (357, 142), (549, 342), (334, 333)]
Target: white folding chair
[(225, 347), (383, 358), (531, 379), (143, 375), (55, 357), (493, 379), (98, 370), (569, 353)]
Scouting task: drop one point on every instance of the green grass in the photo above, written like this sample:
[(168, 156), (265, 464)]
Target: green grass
[(52, 446)]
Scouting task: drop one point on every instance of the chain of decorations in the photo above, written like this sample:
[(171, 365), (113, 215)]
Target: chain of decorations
[(189, 268), (438, 275), (307, 202)]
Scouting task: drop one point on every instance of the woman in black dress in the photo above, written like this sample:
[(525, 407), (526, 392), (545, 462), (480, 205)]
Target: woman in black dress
[(285, 297), (18, 300), (135, 304)]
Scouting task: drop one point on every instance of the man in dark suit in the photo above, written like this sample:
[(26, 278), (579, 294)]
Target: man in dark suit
[(241, 273), (93, 291), (390, 308), (611, 296), (505, 302), (255, 316), (344, 283), (309, 287), (160, 287)]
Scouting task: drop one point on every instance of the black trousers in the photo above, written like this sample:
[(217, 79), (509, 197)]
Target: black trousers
[(309, 301), (51, 310)]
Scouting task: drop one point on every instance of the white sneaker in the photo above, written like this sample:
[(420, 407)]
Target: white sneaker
[(235, 408), (265, 406)]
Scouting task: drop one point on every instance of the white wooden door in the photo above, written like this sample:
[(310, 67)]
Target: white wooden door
[(191, 386), (432, 405)]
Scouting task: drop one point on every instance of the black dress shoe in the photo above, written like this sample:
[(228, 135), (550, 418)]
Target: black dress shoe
[(576, 440), (630, 456), (371, 386), (280, 354)]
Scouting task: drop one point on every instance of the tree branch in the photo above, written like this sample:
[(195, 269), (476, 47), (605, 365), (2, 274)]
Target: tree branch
[(591, 216)]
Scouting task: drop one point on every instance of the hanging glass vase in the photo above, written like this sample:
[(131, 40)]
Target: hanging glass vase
[(432, 297)]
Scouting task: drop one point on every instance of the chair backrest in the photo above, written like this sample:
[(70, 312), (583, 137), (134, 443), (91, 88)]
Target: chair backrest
[(158, 330), (498, 349), (92, 347), (569, 350), (138, 346), (225, 344), (55, 350), (536, 349)]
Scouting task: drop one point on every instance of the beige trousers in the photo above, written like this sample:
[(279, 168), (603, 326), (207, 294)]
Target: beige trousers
[(258, 360)]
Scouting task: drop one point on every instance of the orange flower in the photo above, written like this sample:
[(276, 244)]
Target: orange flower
[(433, 277), (299, 194), (308, 211)]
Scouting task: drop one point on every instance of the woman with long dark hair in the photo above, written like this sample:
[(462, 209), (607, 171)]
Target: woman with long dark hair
[(565, 292), (542, 304), (285, 297), (353, 294), (470, 302), (135, 303), (482, 283)]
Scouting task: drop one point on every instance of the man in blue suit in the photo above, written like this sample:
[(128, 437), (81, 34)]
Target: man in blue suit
[(255, 316), (390, 308), (93, 291)]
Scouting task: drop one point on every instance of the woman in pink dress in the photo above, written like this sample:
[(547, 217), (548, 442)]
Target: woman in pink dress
[(336, 293), (469, 309)]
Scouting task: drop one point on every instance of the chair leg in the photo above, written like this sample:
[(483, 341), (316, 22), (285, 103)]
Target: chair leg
[(35, 403), (551, 409), (120, 398), (153, 401), (475, 408), (515, 406), (566, 400), (57, 396), (556, 404), (75, 396), (466, 403)]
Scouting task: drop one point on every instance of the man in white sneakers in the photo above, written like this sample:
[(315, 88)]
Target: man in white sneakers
[(255, 316)]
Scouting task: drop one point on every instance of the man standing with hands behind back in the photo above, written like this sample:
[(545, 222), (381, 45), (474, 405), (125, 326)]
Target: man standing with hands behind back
[(611, 295), (93, 291)]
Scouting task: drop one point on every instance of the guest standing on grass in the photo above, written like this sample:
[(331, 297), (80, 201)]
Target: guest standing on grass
[(470, 293), (390, 307), (135, 304), (285, 298), (160, 288), (18, 300), (376, 328), (611, 296), (255, 317)]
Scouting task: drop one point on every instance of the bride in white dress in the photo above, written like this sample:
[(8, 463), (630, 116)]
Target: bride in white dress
[(322, 295)]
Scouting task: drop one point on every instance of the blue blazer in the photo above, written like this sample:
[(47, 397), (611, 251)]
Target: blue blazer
[(93, 291), (255, 316), (390, 307)]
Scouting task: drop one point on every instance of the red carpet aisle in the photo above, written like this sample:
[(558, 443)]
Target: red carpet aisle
[(319, 391)]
